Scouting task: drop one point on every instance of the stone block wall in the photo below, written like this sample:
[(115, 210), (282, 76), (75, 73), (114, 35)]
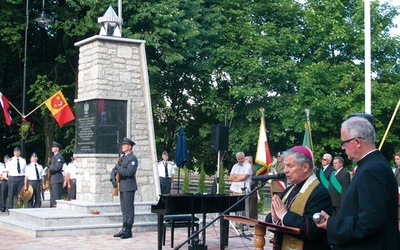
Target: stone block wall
[(116, 68)]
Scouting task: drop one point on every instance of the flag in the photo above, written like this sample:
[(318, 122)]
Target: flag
[(263, 155), (4, 103), (59, 108), (307, 140)]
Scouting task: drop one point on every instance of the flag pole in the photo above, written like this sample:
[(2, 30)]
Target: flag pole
[(12, 105), (35, 109), (390, 124)]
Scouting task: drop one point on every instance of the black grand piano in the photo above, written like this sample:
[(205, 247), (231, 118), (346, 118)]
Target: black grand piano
[(170, 204)]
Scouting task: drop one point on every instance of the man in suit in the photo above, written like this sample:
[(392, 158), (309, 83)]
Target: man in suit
[(57, 178), (127, 187), (324, 173), (367, 218), (299, 203), (338, 183)]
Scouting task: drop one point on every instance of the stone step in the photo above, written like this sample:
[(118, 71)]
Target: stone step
[(71, 230), (69, 220)]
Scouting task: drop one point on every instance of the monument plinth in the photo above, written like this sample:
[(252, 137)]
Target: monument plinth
[(113, 101)]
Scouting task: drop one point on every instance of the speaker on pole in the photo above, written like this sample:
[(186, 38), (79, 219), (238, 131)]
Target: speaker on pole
[(219, 137)]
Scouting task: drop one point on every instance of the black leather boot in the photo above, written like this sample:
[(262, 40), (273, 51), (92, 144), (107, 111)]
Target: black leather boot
[(120, 233), (128, 232)]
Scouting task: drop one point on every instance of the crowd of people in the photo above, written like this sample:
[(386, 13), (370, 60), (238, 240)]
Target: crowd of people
[(17, 175), (362, 212)]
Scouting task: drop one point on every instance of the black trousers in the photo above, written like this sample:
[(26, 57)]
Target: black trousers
[(165, 185), (127, 200), (35, 202), (4, 194), (15, 185), (56, 190)]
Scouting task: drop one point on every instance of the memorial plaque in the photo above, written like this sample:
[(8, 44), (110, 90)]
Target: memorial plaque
[(99, 121)]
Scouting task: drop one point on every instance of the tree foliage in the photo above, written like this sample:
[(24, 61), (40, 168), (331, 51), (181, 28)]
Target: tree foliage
[(217, 62)]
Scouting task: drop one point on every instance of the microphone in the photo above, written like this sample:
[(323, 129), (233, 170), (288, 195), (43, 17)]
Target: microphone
[(268, 177)]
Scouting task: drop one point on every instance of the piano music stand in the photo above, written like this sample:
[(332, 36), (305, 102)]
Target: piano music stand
[(260, 230)]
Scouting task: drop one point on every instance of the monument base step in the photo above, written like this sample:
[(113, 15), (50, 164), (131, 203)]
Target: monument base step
[(58, 222)]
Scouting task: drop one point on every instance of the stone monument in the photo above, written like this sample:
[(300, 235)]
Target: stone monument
[(113, 102)]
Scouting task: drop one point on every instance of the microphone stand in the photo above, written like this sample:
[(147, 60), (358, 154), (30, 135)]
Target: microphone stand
[(196, 234)]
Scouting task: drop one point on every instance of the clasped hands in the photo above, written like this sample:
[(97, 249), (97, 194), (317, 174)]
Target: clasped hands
[(278, 208)]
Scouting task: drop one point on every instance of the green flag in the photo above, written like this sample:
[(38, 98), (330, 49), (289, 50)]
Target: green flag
[(307, 140)]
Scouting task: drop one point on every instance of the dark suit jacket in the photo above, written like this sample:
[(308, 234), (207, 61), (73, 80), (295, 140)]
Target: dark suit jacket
[(328, 171), (313, 237), (344, 179), (367, 218), (127, 172), (57, 162)]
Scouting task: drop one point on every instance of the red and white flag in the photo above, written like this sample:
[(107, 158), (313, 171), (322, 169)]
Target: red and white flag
[(5, 105)]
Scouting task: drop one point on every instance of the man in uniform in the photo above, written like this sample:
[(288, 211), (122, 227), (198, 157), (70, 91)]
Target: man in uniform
[(126, 168), (4, 184), (15, 168), (33, 177), (56, 176), (166, 173), (70, 178)]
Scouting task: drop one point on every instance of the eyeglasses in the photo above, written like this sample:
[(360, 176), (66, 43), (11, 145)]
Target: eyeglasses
[(278, 156), (323, 159), (349, 140)]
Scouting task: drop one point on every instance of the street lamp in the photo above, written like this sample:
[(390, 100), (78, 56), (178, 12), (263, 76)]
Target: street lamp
[(42, 20)]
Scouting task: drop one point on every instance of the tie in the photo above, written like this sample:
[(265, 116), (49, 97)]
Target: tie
[(18, 166), (37, 172), (166, 169)]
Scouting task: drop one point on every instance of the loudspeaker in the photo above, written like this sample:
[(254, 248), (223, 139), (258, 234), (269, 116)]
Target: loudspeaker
[(219, 137)]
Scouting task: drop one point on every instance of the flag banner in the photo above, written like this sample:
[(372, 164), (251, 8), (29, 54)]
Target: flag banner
[(307, 140), (263, 155), (59, 108), (4, 104)]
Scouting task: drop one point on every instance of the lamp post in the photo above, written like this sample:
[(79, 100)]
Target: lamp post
[(42, 20)]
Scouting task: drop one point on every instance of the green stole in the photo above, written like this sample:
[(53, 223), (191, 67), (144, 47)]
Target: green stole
[(322, 178), (298, 206), (336, 184)]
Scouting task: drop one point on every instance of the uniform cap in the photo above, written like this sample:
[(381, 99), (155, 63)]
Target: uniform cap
[(56, 144), (6, 157), (127, 141), (17, 149), (33, 154), (165, 153)]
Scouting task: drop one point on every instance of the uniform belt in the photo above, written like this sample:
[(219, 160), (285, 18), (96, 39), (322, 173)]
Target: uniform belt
[(166, 178)]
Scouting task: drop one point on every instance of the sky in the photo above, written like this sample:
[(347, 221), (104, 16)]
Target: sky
[(396, 20)]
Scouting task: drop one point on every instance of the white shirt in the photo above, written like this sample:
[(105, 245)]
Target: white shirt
[(161, 169), (3, 169), (12, 169), (31, 171), (71, 169), (241, 169)]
